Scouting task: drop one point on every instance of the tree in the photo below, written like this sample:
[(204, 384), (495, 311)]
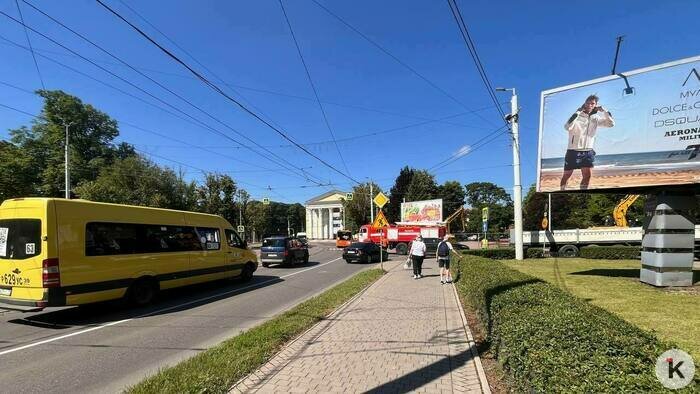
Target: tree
[(357, 210), (397, 194), (422, 186), (487, 194), (496, 199), (453, 197), (218, 196), (91, 134), (257, 215), (136, 181), (23, 179)]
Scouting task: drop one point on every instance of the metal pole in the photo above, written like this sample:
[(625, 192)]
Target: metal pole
[(617, 52), (517, 187), (240, 207), (371, 208), (67, 164), (549, 212)]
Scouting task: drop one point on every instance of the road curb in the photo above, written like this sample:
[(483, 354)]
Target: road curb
[(472, 346)]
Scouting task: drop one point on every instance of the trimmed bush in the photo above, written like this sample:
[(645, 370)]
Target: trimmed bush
[(534, 253), (496, 254), (548, 340), (610, 252)]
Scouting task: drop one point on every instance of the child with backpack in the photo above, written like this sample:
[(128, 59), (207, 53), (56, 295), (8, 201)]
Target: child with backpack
[(443, 259)]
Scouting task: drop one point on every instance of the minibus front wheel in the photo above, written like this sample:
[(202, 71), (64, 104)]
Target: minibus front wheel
[(143, 291)]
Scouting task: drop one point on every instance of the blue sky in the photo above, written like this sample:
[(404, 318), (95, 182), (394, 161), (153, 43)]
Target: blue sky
[(532, 46)]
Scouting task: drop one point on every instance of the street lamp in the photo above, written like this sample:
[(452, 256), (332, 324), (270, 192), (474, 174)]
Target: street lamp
[(512, 118)]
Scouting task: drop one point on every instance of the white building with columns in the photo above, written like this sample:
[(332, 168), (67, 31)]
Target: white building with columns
[(324, 215)]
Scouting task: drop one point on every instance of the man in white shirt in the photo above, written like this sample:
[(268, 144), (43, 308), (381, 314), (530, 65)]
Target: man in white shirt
[(582, 127), (417, 255)]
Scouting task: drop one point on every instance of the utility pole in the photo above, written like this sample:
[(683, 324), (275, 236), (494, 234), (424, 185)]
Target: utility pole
[(240, 207), (517, 187), (67, 125)]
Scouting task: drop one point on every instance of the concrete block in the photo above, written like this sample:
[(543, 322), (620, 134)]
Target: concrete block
[(674, 241), (673, 222), (664, 279), (667, 259)]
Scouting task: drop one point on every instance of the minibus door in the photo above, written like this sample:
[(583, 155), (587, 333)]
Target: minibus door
[(235, 253)]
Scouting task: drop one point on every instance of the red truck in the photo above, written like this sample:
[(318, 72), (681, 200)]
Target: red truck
[(398, 236)]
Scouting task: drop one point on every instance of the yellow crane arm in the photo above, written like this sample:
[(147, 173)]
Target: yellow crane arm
[(620, 212)]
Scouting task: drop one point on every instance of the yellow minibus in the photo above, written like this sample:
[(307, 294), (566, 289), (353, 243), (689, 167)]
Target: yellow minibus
[(56, 252)]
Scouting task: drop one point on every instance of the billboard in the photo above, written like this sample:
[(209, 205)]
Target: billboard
[(426, 211), (635, 129)]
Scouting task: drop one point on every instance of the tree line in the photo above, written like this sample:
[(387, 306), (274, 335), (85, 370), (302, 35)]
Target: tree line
[(32, 165)]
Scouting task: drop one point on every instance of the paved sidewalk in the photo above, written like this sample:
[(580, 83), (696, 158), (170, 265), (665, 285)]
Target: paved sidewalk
[(400, 335)]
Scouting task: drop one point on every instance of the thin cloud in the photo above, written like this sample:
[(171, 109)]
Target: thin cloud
[(462, 151)]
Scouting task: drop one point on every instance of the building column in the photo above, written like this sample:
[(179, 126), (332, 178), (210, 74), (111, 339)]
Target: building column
[(330, 223), (307, 222), (319, 225)]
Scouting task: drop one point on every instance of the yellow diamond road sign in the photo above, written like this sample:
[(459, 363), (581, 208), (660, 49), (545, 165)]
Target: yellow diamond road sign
[(380, 200), (380, 221)]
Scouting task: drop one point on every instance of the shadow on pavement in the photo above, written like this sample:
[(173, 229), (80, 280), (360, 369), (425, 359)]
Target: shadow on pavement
[(288, 266), (169, 301)]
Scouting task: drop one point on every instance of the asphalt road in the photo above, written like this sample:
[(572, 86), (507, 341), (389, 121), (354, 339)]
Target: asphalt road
[(106, 348)]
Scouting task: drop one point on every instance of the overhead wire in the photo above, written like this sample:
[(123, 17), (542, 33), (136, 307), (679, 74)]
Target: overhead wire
[(277, 93), (279, 160), (396, 59), (218, 90), (313, 87), (464, 31), (31, 49)]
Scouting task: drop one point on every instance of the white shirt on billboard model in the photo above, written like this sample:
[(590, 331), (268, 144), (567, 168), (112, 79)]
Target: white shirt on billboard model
[(582, 128)]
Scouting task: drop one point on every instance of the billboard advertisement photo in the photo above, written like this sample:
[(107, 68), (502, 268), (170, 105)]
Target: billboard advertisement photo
[(631, 130), (427, 211)]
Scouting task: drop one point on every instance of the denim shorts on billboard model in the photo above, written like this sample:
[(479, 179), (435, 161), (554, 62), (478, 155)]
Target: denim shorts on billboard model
[(576, 159)]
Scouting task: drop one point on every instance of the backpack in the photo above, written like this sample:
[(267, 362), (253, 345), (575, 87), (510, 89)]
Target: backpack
[(443, 249)]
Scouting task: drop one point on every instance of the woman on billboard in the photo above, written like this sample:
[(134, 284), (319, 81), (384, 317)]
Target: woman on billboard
[(582, 127)]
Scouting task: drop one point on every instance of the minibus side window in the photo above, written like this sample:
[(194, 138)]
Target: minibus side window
[(103, 239), (209, 238)]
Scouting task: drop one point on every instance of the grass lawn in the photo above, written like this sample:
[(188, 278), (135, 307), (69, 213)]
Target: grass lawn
[(674, 314)]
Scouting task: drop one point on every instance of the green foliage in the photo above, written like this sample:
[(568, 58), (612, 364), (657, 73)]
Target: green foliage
[(548, 340), (24, 179), (453, 197), (487, 194), (91, 134), (534, 253), (610, 252), (137, 181), (422, 186), (357, 210), (397, 194), (496, 254), (217, 369), (218, 195)]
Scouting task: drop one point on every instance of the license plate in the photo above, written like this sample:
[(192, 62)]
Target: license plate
[(351, 252), (5, 292), (271, 255)]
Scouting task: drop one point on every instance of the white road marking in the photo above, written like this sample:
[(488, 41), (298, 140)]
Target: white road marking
[(114, 323)]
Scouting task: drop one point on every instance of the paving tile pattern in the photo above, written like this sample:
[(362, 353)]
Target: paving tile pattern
[(401, 335)]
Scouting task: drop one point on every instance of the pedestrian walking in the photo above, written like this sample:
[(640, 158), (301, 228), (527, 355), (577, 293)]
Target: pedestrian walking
[(443, 259), (417, 256)]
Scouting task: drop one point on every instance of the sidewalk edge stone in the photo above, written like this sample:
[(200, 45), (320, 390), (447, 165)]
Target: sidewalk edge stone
[(472, 346)]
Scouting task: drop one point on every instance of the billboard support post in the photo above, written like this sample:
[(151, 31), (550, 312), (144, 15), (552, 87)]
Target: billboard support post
[(517, 187)]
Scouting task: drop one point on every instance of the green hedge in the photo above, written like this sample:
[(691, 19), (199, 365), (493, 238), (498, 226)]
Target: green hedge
[(534, 253), (548, 340), (505, 254), (496, 254), (610, 252)]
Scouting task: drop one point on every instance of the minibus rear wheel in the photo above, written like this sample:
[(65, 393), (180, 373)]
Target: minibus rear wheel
[(143, 291)]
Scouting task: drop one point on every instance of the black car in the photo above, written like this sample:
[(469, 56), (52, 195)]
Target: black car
[(431, 245), (364, 252), (284, 251)]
